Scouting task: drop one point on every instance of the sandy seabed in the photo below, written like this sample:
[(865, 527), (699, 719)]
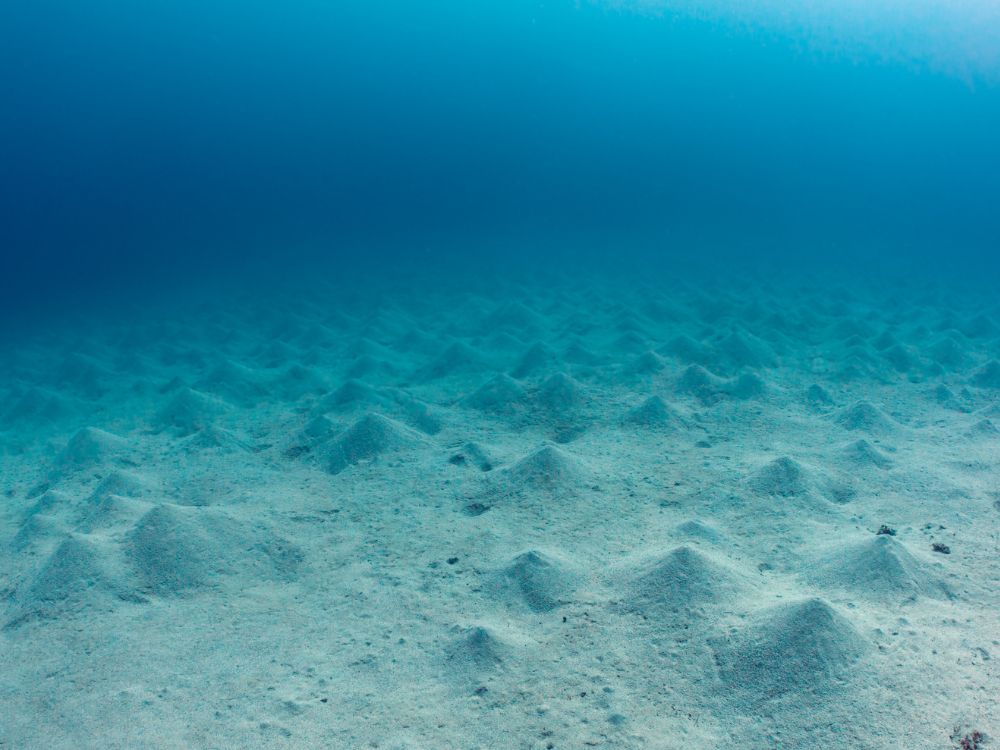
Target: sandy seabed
[(561, 514)]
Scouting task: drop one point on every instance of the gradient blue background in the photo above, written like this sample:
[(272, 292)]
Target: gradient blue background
[(148, 141)]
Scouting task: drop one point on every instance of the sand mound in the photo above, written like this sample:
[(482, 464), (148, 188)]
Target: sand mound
[(559, 396), (36, 407), (297, 382), (79, 574), (114, 502), (747, 386), (984, 428), (174, 550), (367, 439), (539, 359), (685, 349), (863, 455), (549, 469), (786, 478), (987, 376), (698, 531), (477, 649), (352, 393), (802, 646), (458, 359), (171, 553), (576, 353), (215, 438), (864, 416), (681, 582), (630, 342), (783, 477), (818, 397), (879, 568), (189, 411), (647, 363), (515, 317), (36, 529), (502, 395), (51, 502), (741, 350), (539, 581), (90, 449), (317, 430), (951, 354), (655, 414), (235, 383), (709, 388), (698, 382)]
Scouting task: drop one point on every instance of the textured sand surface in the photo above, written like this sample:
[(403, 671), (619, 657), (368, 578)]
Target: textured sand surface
[(560, 515)]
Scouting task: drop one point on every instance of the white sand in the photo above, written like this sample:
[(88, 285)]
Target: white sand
[(577, 514)]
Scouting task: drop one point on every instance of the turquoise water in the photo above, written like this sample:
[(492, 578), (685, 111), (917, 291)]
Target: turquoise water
[(483, 375)]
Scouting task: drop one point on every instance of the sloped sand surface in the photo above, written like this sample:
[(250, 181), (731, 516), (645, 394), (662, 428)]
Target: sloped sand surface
[(619, 513)]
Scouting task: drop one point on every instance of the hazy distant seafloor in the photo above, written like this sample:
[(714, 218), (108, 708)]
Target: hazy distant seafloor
[(579, 513)]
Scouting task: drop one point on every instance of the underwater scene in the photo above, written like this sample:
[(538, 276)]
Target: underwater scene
[(528, 375)]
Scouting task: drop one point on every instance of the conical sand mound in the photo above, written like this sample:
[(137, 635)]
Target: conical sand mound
[(749, 385), (698, 382), (782, 477), (297, 382), (75, 576), (681, 581), (549, 468), (539, 581), (478, 649), (51, 502), (987, 376), (647, 363), (37, 407), (235, 383), (864, 416), (878, 567), (501, 395), (560, 395), (123, 483), (115, 502), (175, 550), (738, 350), (800, 646), (686, 350), (37, 529), (984, 429), (863, 455), (949, 353), (353, 393), (458, 359), (515, 317), (699, 531), (539, 359), (217, 439), (655, 414), (818, 397), (171, 553), (367, 439), (90, 449), (189, 411)]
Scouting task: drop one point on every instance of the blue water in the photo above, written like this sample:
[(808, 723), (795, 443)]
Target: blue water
[(146, 144)]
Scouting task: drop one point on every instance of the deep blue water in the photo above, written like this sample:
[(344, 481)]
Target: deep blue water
[(148, 143)]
